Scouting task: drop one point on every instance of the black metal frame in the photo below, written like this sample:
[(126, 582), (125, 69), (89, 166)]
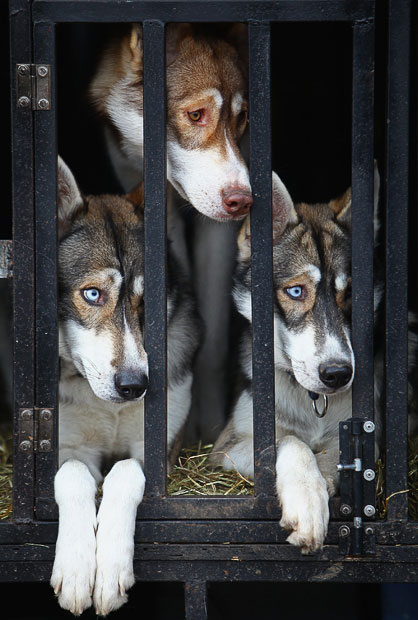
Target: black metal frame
[(197, 528)]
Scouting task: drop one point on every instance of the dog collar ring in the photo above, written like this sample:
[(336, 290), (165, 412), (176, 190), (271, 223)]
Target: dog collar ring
[(315, 397)]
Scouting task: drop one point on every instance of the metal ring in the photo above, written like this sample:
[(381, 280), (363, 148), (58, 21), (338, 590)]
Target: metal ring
[(320, 414)]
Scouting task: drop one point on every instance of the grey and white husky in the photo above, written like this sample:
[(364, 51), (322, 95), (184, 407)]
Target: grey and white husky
[(313, 356), (103, 380)]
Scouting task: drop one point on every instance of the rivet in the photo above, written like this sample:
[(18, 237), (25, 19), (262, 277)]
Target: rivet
[(344, 531), (25, 445), (23, 102), (45, 414), (369, 531), (345, 509), (369, 510), (45, 445), (43, 104), (369, 474), (26, 414), (369, 426)]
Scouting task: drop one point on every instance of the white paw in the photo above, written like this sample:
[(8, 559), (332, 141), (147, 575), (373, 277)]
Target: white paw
[(305, 512), (73, 574), (113, 579)]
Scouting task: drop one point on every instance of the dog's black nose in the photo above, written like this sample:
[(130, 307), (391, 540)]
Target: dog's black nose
[(130, 385), (335, 375)]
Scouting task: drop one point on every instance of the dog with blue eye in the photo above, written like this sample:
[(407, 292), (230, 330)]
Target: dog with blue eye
[(314, 360), (103, 381)]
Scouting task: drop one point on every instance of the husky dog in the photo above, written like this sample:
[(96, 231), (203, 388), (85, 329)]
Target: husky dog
[(313, 356), (103, 380), (206, 116)]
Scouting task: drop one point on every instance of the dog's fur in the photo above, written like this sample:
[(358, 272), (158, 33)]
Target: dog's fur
[(206, 71), (312, 282), (103, 379)]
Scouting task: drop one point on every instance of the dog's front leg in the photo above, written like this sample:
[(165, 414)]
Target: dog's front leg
[(75, 551), (303, 494), (123, 490)]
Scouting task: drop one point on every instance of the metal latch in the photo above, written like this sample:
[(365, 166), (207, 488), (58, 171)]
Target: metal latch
[(36, 428), (357, 486), (33, 86)]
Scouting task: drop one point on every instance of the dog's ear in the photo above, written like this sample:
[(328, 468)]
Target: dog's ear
[(284, 212), (236, 34), (175, 34), (136, 48), (136, 196), (70, 200), (342, 205)]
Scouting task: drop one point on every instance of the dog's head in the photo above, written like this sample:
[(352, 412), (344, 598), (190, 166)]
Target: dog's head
[(312, 281), (101, 289), (206, 111)]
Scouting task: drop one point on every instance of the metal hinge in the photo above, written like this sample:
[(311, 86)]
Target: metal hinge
[(36, 429), (33, 87), (6, 259), (357, 486)]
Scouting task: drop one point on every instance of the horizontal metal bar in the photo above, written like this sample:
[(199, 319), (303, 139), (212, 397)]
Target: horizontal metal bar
[(201, 11)]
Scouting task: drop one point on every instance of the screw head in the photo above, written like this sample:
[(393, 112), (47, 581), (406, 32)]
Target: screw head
[(23, 102), (42, 71), (43, 104), (45, 414), (345, 509), (45, 445), (369, 474), (344, 531), (369, 531), (26, 414), (23, 69), (25, 445), (369, 510), (368, 426)]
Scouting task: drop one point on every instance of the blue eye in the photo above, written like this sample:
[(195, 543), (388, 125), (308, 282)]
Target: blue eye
[(92, 295), (296, 292)]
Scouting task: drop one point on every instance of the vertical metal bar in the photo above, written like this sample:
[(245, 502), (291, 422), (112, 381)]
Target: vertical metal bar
[(155, 256), (397, 258), (23, 268), (261, 261), (362, 218), (47, 375), (195, 594)]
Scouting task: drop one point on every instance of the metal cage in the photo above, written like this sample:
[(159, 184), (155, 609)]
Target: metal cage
[(191, 532)]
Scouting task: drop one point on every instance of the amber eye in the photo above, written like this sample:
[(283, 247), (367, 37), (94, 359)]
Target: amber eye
[(195, 116), (242, 117)]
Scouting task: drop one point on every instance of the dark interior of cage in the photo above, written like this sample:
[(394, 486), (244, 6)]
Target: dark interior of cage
[(311, 108)]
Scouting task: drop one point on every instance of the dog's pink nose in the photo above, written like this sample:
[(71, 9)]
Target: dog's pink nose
[(236, 201)]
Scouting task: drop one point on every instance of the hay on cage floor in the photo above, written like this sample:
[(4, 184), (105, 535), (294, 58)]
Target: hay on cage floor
[(192, 475)]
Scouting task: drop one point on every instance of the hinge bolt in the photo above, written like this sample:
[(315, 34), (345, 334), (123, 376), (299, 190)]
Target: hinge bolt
[(25, 445), (42, 71), (26, 414), (43, 104), (369, 475), (369, 426), (45, 445), (345, 509), (23, 102), (45, 414), (344, 531), (369, 510)]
